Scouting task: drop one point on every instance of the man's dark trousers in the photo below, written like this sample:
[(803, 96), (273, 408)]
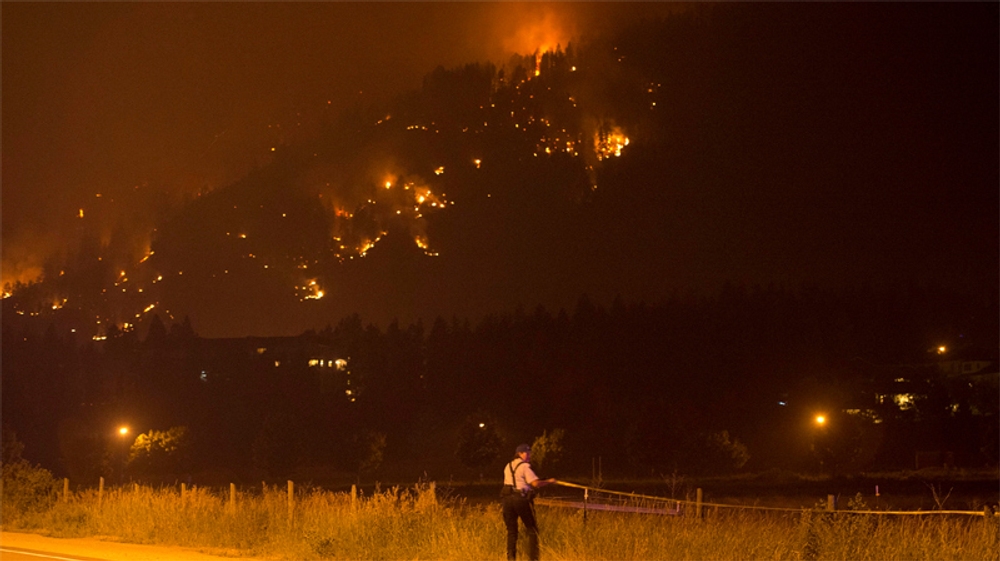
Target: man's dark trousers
[(515, 506)]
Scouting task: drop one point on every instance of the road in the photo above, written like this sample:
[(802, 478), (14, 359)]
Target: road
[(16, 546)]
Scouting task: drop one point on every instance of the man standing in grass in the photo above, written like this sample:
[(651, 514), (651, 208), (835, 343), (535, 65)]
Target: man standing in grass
[(519, 485)]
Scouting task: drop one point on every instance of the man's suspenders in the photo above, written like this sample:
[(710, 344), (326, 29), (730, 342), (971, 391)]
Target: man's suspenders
[(513, 472)]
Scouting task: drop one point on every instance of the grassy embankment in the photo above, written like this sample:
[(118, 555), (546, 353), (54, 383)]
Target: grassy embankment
[(414, 523)]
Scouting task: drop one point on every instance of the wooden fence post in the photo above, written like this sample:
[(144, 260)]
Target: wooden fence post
[(232, 496), (291, 500), (831, 503), (697, 504), (100, 493), (354, 497), (183, 492), (65, 489)]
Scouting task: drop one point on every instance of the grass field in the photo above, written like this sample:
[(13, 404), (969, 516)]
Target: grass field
[(418, 523)]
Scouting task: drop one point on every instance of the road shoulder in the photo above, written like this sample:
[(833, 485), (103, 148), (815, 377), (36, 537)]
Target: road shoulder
[(112, 551)]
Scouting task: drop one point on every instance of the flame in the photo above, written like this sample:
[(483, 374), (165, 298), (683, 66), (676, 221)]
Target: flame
[(424, 195), (312, 291), (368, 244), (541, 34), (608, 143)]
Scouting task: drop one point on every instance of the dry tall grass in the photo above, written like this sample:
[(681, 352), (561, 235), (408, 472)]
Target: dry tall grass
[(414, 524)]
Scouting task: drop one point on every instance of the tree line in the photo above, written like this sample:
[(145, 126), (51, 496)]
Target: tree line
[(696, 384)]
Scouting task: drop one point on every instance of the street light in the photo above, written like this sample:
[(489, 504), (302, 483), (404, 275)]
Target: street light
[(123, 434), (820, 420)]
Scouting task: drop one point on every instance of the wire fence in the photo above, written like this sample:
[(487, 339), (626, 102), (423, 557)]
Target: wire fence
[(598, 499)]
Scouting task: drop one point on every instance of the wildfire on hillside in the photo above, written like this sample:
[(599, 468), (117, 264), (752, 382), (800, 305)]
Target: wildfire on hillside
[(381, 193)]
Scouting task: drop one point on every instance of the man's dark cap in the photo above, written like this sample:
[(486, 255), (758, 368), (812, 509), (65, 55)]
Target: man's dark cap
[(523, 448)]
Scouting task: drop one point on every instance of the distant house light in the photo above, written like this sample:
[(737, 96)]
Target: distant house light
[(313, 362), (904, 400), (869, 414)]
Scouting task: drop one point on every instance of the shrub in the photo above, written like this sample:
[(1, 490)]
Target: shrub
[(27, 491)]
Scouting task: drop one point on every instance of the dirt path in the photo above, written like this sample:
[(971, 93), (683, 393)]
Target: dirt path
[(114, 551)]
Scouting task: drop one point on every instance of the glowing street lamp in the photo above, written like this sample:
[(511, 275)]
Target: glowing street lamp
[(123, 434), (820, 420)]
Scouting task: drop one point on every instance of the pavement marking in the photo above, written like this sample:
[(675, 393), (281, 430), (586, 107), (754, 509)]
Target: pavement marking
[(43, 555)]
